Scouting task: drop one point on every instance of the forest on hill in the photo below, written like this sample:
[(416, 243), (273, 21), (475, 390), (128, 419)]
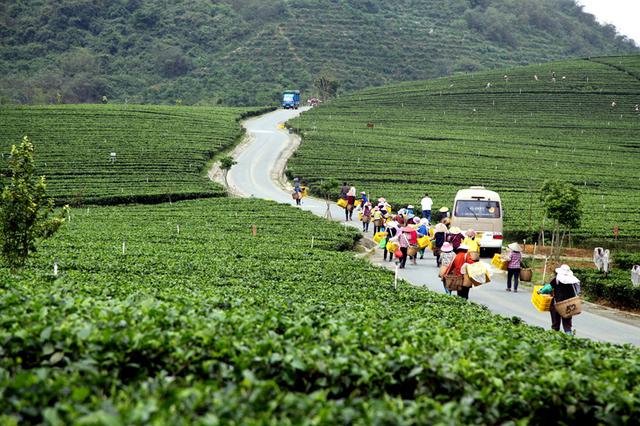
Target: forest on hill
[(240, 52)]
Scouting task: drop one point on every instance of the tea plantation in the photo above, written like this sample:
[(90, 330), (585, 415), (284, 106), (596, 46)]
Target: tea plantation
[(161, 152), (507, 129), (196, 321)]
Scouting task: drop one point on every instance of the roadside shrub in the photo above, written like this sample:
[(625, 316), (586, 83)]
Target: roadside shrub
[(615, 288), (626, 260)]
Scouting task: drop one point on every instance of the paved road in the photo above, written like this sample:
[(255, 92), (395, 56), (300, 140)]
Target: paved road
[(258, 174)]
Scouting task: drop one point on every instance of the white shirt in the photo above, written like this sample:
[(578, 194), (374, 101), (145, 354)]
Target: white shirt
[(426, 202)]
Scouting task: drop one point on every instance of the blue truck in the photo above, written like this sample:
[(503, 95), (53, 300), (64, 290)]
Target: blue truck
[(291, 99)]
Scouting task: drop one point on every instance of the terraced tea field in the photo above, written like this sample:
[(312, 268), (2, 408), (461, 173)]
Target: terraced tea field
[(507, 129), (161, 152), (197, 321)]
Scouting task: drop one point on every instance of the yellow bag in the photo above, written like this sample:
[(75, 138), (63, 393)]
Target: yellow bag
[(499, 262), (391, 247), (357, 203), (342, 203), (424, 242), (542, 302), (379, 236)]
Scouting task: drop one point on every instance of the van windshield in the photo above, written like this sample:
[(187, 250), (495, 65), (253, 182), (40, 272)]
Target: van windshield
[(478, 209), (288, 97)]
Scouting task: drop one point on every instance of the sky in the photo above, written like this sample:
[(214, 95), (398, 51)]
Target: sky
[(623, 14)]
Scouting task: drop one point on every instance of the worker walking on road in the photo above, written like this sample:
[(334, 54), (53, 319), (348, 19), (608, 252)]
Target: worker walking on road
[(351, 202), (565, 286), (513, 267)]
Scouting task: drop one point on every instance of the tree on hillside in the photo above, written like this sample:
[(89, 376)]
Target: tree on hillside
[(226, 163), (25, 208), (327, 85), (561, 203)]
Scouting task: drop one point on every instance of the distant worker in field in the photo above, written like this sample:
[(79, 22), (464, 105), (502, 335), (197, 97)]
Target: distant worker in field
[(351, 202), (426, 203)]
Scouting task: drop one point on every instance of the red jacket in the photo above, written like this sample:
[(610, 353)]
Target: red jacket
[(460, 259)]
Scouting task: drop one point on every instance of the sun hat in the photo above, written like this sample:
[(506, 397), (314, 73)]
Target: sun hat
[(392, 224), (410, 206), (446, 248), (564, 275), (362, 192), (382, 200), (424, 221), (455, 230), (463, 247), (441, 227), (515, 247), (471, 233), (416, 219), (443, 209)]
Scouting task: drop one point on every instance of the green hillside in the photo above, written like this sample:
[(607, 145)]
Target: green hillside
[(502, 129), (240, 52), (161, 152)]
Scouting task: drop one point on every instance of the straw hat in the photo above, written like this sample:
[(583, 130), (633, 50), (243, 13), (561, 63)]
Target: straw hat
[(455, 230), (441, 227), (410, 206), (564, 275), (446, 248), (443, 209), (416, 219), (471, 233), (424, 221), (515, 247)]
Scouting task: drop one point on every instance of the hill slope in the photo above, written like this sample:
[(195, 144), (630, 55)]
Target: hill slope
[(246, 51), (506, 133), (161, 151)]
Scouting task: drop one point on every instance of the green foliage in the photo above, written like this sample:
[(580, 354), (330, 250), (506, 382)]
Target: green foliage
[(446, 134), (615, 288), (226, 163), (245, 52), (326, 85), (212, 325), (161, 152), (25, 209), (561, 203), (626, 260)]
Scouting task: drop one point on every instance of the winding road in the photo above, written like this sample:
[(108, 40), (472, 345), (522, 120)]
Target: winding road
[(259, 173)]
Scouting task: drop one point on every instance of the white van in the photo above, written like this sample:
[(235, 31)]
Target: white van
[(481, 210)]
